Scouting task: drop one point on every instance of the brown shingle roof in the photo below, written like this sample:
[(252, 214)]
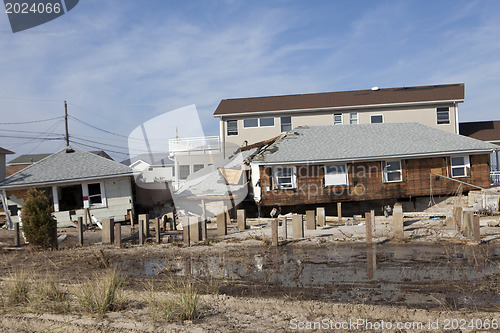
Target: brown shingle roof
[(5, 151), (447, 92), (481, 130)]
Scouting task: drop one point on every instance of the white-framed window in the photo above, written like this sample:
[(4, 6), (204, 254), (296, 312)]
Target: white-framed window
[(459, 166), (197, 167), (251, 122), (376, 119), (353, 118), (95, 194), (184, 171), (285, 177), (443, 115), (266, 122), (336, 175), (286, 124), (337, 118), (232, 127), (393, 172)]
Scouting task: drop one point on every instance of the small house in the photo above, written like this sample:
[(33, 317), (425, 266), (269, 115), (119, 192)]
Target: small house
[(74, 180)]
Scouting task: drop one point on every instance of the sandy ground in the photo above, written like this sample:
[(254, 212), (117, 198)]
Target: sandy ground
[(228, 305)]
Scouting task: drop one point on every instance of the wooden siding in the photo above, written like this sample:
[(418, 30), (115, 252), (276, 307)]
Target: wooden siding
[(365, 182)]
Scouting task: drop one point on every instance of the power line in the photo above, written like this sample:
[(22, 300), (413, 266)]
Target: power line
[(94, 147), (32, 122)]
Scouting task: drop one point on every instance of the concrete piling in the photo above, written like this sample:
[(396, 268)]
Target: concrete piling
[(310, 220), (118, 234), (274, 231), (108, 231), (458, 217), (241, 218), (397, 221), (221, 225), (368, 227), (320, 212), (284, 226), (297, 226), (80, 230)]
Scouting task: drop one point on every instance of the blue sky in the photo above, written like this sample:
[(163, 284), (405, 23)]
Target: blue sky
[(119, 63)]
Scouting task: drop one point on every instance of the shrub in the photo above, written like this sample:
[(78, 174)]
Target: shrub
[(39, 226)]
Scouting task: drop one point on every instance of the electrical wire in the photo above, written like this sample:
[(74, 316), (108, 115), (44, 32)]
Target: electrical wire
[(32, 121)]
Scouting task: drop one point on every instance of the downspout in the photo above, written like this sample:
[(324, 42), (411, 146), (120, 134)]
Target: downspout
[(223, 136), (457, 127)]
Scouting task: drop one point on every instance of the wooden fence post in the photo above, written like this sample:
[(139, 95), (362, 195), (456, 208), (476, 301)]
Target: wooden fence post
[(368, 227), (80, 230), (158, 230), (17, 241), (118, 234), (476, 230), (274, 231)]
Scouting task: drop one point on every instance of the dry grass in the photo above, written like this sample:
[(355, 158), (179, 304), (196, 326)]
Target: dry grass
[(101, 294), (175, 302)]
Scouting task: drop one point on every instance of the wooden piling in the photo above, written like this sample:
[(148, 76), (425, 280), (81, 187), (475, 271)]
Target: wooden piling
[(297, 226), (80, 230), (310, 220), (320, 213), (274, 232), (241, 218), (108, 231), (118, 234), (17, 240), (194, 229), (476, 231), (185, 230), (467, 227), (374, 225), (339, 212), (204, 219), (221, 225), (284, 227), (142, 233), (397, 221), (158, 230), (368, 227)]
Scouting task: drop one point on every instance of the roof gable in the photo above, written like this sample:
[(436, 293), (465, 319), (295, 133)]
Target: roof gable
[(368, 141), (67, 165), (421, 94)]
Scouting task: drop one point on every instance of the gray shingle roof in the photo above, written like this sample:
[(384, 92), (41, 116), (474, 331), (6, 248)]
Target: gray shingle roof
[(368, 141), (63, 166), (33, 158)]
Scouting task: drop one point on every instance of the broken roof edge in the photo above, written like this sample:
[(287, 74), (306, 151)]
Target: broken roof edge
[(378, 158)]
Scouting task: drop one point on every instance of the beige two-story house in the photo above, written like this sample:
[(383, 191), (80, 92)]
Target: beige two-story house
[(244, 121)]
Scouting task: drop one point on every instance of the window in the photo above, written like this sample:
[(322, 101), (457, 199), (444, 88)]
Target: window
[(337, 118), (353, 118), (183, 171), (443, 115), (232, 127), (198, 167), (95, 194), (286, 124), (335, 175), (251, 122), (258, 122), (459, 165), (70, 197), (393, 172), (266, 122), (377, 119), (284, 177)]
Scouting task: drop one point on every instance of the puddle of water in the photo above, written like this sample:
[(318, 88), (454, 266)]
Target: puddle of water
[(351, 272)]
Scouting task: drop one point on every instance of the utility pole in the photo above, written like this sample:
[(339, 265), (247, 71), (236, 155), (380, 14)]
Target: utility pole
[(66, 122)]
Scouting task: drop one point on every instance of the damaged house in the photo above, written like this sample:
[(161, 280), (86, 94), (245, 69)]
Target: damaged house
[(74, 180), (368, 165)]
